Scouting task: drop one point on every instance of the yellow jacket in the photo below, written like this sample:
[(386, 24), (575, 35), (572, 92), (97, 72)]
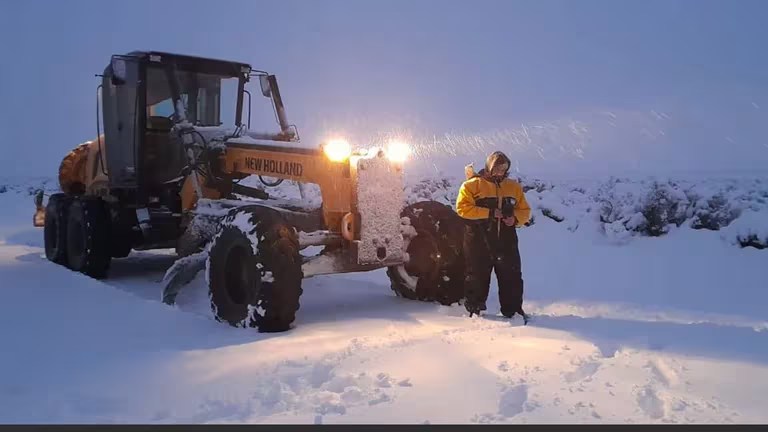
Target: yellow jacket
[(477, 193)]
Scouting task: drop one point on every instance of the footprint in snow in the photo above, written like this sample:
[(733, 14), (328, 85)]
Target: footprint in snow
[(584, 371), (650, 403), (513, 401), (663, 372)]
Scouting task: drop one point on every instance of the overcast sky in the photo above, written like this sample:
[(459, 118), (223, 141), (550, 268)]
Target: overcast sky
[(572, 84)]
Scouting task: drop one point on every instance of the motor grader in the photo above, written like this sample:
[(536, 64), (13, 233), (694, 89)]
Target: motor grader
[(167, 172)]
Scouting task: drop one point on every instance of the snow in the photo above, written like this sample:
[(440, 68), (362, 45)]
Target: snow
[(251, 140), (750, 226), (667, 329), (379, 202)]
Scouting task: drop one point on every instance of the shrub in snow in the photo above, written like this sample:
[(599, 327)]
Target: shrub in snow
[(713, 213), (548, 203), (664, 205), (755, 241), (552, 215), (749, 230), (3, 189), (438, 189), (534, 184), (625, 206), (614, 205)]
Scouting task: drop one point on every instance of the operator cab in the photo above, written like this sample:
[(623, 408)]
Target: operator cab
[(144, 95)]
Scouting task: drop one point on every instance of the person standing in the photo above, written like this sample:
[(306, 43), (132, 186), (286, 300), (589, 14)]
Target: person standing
[(493, 207)]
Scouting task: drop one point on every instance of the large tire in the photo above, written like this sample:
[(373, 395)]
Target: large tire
[(435, 269), (55, 228), (254, 272), (121, 244), (88, 231)]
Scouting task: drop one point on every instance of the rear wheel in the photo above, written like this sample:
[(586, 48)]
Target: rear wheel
[(254, 272), (55, 228), (435, 269), (88, 249)]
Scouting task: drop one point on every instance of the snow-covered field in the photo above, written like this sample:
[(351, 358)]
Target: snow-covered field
[(627, 327)]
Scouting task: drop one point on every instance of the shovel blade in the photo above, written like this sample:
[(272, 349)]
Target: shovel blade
[(181, 273)]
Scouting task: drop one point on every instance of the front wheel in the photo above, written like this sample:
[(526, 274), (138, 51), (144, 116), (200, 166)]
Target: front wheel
[(254, 272), (435, 269)]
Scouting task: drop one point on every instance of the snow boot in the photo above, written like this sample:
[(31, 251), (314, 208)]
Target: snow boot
[(522, 313), (474, 308)]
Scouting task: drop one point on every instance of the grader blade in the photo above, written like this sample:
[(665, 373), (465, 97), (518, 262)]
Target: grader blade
[(182, 272)]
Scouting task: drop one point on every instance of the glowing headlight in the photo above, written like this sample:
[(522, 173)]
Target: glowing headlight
[(398, 151), (337, 150)]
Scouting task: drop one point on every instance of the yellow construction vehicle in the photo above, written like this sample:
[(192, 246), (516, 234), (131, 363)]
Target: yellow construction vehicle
[(165, 173)]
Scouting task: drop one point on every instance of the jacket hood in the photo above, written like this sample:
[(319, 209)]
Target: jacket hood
[(495, 158)]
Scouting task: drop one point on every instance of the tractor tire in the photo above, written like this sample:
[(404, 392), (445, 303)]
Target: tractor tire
[(88, 249), (121, 244), (55, 228), (254, 272), (435, 269)]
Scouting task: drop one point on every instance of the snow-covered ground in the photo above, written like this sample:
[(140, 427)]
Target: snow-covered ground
[(627, 328)]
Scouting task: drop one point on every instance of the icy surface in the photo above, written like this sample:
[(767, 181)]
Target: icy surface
[(668, 329)]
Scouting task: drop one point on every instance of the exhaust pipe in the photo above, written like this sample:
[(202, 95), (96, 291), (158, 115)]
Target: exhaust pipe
[(282, 118)]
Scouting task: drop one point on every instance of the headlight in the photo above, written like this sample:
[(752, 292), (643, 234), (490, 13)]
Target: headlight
[(337, 150), (398, 151)]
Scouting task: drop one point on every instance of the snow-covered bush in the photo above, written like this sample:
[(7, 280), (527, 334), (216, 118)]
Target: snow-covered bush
[(653, 207), (552, 215), (663, 206), (713, 213), (615, 202), (534, 184), (750, 229), (443, 190), (549, 204)]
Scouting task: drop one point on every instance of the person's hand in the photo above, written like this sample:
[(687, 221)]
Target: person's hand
[(510, 221), (497, 214)]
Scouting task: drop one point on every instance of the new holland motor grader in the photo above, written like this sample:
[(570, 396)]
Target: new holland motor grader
[(166, 172)]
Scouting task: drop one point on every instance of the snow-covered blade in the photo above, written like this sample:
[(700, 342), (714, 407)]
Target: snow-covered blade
[(182, 272)]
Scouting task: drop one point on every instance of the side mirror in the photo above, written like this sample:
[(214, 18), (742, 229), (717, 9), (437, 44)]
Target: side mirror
[(118, 71), (266, 89)]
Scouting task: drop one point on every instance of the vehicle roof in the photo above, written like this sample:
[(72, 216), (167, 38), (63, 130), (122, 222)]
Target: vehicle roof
[(193, 62)]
